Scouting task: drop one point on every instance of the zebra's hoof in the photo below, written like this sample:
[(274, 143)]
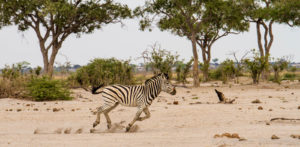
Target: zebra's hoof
[(127, 128), (108, 126), (95, 124), (92, 130)]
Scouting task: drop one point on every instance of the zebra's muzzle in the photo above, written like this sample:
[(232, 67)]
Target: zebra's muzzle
[(173, 92)]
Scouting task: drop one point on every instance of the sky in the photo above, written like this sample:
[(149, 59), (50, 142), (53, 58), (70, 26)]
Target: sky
[(128, 42)]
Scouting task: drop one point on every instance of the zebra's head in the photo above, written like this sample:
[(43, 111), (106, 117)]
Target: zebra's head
[(166, 84)]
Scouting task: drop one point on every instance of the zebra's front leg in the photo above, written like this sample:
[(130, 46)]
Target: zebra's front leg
[(137, 115), (147, 113)]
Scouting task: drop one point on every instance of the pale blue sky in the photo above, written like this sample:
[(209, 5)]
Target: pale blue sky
[(129, 42)]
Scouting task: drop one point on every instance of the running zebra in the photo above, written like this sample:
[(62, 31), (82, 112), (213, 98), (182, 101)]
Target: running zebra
[(140, 96)]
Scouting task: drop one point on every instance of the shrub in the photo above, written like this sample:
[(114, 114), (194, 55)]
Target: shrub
[(182, 70), (293, 69), (13, 82), (255, 66), (289, 76), (215, 74), (46, 89), (101, 72), (278, 66), (225, 71), (13, 88), (160, 60)]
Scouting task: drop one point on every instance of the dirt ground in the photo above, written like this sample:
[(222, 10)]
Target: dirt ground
[(197, 120)]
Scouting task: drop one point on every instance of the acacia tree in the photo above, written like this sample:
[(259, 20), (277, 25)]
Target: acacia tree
[(54, 20), (261, 12), (224, 18), (201, 21)]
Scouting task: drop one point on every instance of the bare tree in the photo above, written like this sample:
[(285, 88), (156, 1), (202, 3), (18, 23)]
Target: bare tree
[(239, 62)]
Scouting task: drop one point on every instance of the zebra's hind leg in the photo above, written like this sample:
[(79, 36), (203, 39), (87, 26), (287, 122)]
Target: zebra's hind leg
[(147, 113), (107, 116), (99, 111), (137, 115)]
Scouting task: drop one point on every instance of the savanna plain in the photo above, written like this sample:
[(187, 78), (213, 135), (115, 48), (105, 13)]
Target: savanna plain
[(261, 115)]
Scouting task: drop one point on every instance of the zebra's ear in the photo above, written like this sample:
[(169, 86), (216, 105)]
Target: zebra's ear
[(166, 75)]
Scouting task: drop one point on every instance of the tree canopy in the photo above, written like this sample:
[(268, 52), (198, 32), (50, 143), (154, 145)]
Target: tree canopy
[(288, 12), (201, 21), (54, 20)]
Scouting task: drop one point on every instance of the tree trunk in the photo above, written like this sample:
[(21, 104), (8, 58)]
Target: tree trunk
[(266, 71), (206, 59), (205, 70), (45, 60), (55, 49), (49, 64), (265, 50), (195, 66), (258, 33)]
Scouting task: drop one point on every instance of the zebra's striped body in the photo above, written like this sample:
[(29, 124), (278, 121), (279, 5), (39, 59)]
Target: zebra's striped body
[(124, 95), (140, 96)]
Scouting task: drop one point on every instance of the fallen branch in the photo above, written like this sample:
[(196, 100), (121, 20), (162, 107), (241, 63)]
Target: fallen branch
[(282, 118), (223, 99)]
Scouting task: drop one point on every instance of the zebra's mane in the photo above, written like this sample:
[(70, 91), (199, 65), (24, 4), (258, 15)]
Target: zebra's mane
[(156, 76)]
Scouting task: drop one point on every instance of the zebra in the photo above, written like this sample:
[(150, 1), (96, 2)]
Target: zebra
[(140, 96)]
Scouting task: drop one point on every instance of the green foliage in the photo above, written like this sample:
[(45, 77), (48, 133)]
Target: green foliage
[(215, 74), (293, 69), (182, 17), (287, 11), (225, 71), (160, 60), (101, 72), (289, 76), (202, 22), (67, 16), (278, 66), (215, 60), (54, 20), (182, 70), (38, 70), (46, 89), (15, 71), (228, 70), (255, 66), (13, 82), (17, 84)]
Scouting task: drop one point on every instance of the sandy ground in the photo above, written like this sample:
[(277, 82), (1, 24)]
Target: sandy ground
[(193, 122)]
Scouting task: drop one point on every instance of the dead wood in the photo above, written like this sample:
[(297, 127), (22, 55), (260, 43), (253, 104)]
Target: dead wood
[(282, 118), (223, 99)]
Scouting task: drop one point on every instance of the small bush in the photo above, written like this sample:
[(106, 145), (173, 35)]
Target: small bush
[(46, 89), (13, 82), (289, 76), (13, 88), (255, 66), (293, 69), (160, 60), (182, 70), (278, 66), (215, 74), (101, 72), (225, 71)]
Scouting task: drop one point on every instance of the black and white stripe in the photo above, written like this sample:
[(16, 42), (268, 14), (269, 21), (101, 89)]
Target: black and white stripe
[(140, 96)]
